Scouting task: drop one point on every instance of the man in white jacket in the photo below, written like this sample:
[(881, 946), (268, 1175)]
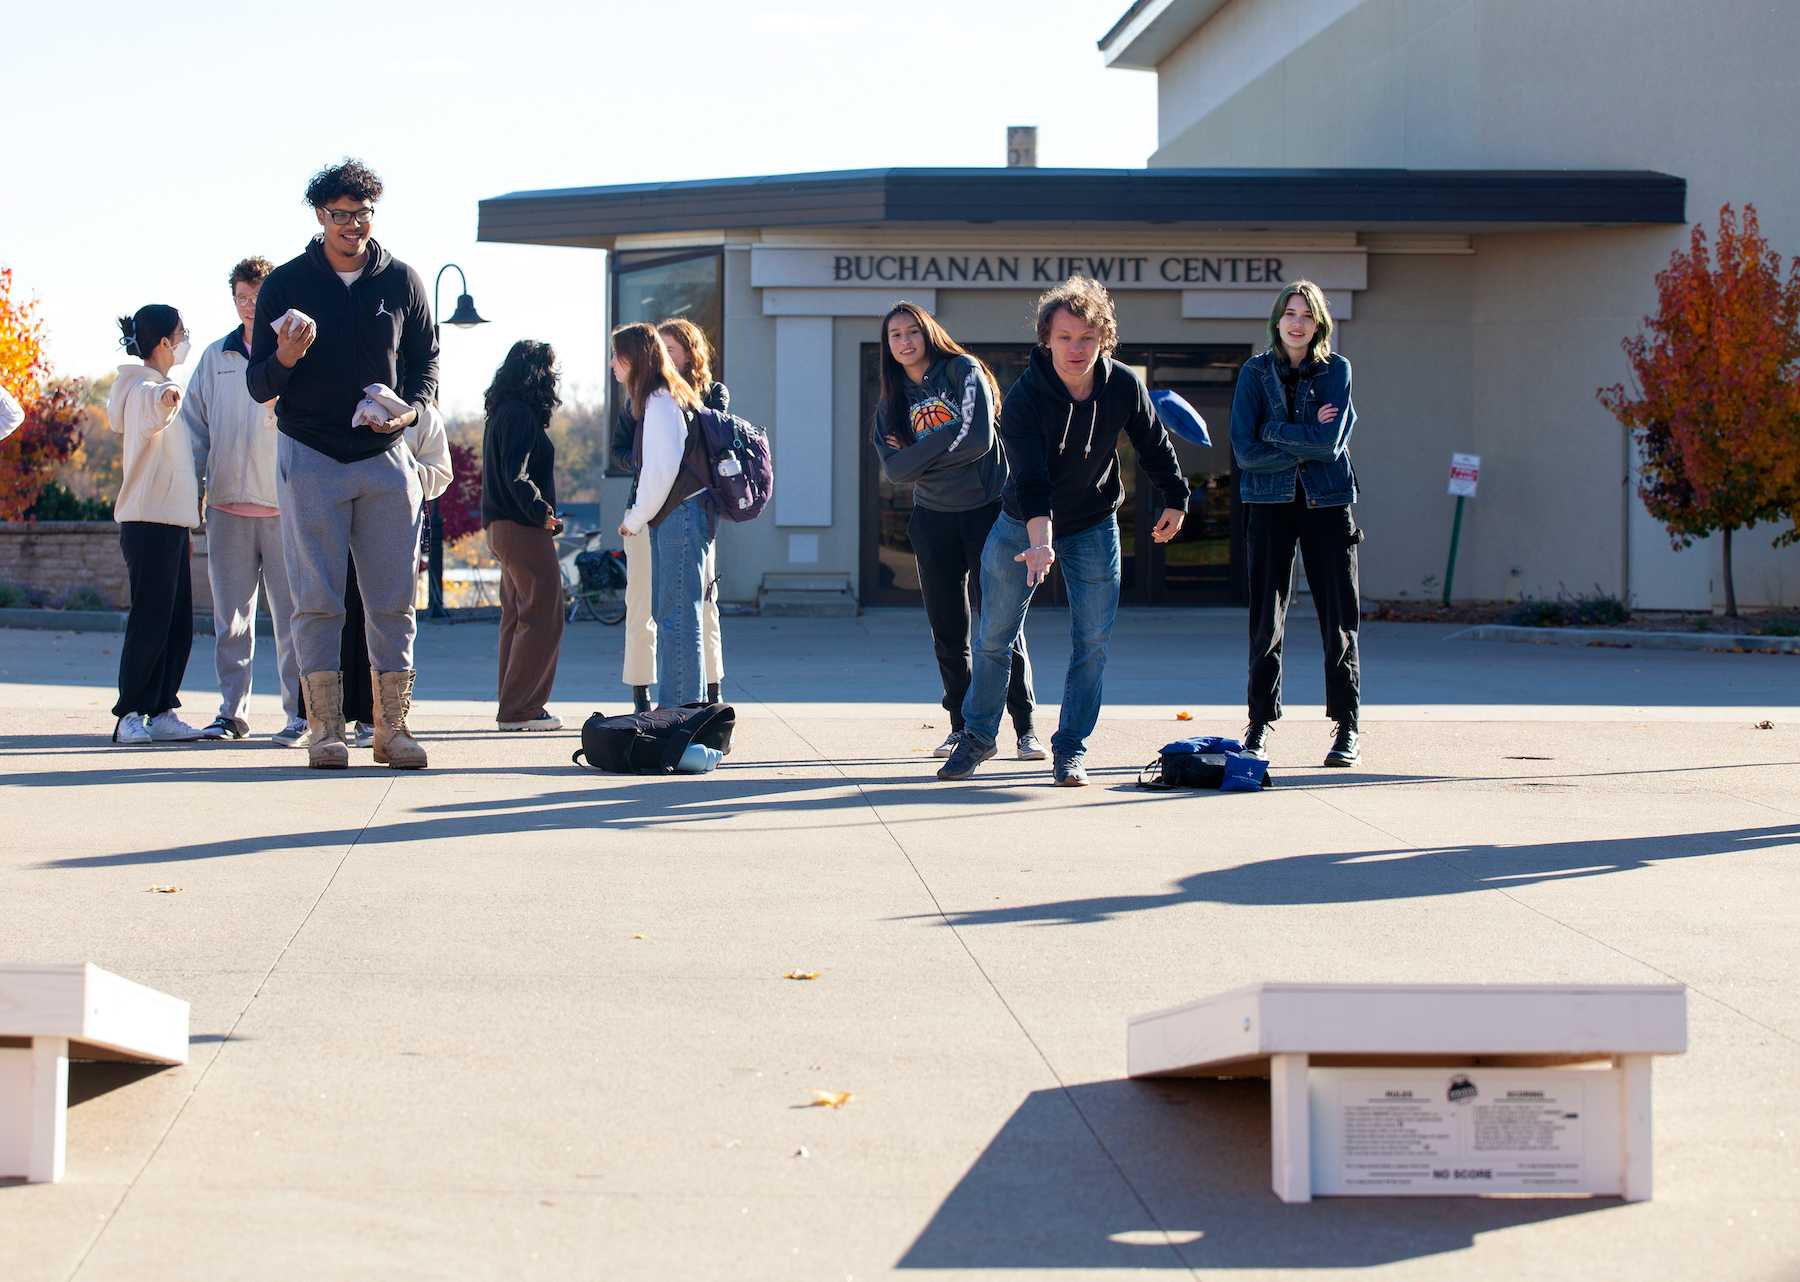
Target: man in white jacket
[(234, 441)]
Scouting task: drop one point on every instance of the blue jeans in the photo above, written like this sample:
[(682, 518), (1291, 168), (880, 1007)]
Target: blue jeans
[(1090, 569), (678, 551)]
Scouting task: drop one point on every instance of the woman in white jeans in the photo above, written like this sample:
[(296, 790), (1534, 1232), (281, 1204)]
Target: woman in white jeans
[(691, 355)]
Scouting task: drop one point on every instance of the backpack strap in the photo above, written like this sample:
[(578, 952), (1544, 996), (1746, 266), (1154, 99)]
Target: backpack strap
[(1151, 776)]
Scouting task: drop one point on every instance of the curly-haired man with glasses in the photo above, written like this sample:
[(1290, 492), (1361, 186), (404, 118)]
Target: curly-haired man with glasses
[(348, 486)]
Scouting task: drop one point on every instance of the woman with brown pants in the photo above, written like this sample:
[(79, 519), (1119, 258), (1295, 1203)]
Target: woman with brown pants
[(518, 511)]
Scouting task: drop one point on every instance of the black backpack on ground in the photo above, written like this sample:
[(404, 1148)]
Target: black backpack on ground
[(651, 743)]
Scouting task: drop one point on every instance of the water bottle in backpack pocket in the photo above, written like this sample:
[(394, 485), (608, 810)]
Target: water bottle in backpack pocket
[(739, 464)]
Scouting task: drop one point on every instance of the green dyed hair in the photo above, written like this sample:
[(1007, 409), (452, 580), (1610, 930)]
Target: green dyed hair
[(1315, 303)]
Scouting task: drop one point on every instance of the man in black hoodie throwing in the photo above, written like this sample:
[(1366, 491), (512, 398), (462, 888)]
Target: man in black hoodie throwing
[(1060, 424), (347, 481)]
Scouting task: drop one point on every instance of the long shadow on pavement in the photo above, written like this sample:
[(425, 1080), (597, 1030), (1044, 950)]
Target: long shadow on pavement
[(607, 802), (1176, 1175), (1394, 873)]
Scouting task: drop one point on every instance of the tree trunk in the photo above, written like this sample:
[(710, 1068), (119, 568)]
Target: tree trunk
[(1730, 585)]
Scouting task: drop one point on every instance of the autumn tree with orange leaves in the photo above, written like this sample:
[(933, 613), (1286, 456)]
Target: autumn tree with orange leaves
[(51, 432), (1715, 411)]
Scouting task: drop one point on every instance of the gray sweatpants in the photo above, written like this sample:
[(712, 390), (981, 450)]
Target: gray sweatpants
[(243, 553), (329, 510)]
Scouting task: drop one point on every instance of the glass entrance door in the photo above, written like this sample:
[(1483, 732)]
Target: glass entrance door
[(1203, 566)]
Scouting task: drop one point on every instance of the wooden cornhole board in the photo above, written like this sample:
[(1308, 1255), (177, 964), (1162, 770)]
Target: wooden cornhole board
[(52, 1014), (1429, 1089)]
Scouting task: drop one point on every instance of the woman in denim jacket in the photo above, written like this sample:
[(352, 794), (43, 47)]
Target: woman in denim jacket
[(1291, 420)]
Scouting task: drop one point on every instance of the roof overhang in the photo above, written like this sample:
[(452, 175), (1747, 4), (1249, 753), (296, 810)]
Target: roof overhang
[(1459, 200), (1150, 30)]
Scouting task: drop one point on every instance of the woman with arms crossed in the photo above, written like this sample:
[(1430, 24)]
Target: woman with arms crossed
[(1291, 420), (934, 427)]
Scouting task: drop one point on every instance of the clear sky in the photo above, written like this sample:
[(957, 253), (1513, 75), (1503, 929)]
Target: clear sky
[(153, 146)]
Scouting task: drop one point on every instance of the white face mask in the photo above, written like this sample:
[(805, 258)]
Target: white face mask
[(181, 352)]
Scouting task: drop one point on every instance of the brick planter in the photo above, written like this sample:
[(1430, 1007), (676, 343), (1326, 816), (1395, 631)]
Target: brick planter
[(57, 556)]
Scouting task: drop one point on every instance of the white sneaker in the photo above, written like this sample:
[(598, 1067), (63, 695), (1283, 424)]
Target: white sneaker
[(361, 734), (1031, 748), (291, 735), (545, 722), (166, 727), (131, 729), (948, 746)]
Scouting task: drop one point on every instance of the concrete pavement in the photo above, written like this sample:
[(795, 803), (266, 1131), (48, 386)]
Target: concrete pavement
[(501, 1018)]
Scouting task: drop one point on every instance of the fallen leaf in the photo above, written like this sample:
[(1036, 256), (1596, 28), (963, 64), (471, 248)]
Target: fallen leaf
[(831, 1099), (1184, 715), (164, 890), (802, 1152), (801, 974), (639, 935), (1765, 725)]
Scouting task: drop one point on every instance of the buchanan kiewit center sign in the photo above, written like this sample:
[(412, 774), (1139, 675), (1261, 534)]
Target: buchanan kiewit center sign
[(983, 269)]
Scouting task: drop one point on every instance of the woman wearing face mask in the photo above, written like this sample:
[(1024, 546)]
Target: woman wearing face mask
[(934, 427), (158, 504), (672, 480), (1291, 420)]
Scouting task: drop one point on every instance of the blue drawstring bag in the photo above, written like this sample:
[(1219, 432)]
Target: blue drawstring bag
[(1206, 761), (1177, 416)]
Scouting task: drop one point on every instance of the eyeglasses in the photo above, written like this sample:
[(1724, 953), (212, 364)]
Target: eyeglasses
[(344, 217)]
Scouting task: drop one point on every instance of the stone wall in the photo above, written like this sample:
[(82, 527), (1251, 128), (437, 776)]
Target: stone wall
[(55, 557)]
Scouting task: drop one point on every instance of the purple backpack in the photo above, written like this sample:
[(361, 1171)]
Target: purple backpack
[(739, 463)]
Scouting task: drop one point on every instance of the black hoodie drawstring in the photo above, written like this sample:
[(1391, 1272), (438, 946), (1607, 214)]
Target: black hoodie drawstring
[(1093, 421), (1067, 419)]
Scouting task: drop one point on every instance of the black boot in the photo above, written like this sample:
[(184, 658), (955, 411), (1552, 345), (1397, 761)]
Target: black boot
[(712, 692), (1256, 740), (1344, 750), (640, 698)]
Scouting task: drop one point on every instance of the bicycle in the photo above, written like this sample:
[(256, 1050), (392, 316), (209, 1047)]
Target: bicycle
[(593, 579)]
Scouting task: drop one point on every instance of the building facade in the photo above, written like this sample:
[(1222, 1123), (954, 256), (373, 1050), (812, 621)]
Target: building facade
[(1482, 291), (1515, 335)]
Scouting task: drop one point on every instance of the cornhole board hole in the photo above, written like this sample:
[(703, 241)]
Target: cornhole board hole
[(1389, 1090), (52, 1014)]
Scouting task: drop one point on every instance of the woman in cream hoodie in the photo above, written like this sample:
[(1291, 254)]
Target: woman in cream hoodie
[(158, 504)]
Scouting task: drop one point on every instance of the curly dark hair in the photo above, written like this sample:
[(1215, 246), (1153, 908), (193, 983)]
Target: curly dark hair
[(349, 177), (527, 374), (250, 271)]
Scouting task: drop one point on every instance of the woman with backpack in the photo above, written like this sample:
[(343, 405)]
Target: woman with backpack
[(518, 512), (934, 427), (670, 501), (157, 507), (1291, 420), (691, 355)]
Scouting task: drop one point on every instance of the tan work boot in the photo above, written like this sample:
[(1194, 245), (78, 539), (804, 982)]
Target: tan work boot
[(325, 746), (394, 744)]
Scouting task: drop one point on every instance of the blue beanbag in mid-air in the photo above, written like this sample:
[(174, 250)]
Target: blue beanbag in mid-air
[(1177, 416)]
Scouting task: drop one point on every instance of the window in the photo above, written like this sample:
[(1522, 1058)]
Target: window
[(657, 286)]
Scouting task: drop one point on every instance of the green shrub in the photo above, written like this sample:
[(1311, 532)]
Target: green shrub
[(1595, 610), (55, 502), (83, 598), (10, 596)]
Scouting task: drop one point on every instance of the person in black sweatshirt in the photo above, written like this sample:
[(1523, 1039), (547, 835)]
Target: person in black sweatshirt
[(1060, 425), (346, 480), (518, 511), (934, 429)]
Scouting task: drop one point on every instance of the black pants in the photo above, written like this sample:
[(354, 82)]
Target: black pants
[(159, 631), (1327, 539), (353, 658), (948, 547)]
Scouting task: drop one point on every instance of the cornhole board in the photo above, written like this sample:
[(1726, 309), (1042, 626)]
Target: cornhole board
[(52, 1014), (1431, 1089)]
